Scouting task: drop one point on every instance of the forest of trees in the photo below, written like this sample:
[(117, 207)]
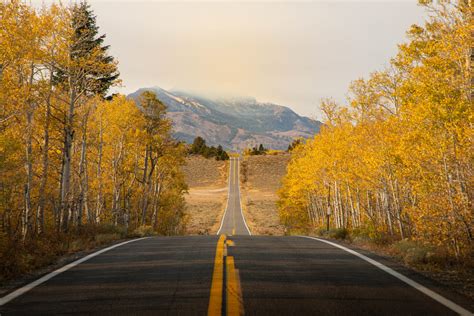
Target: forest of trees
[(256, 151), (199, 147), (295, 143), (397, 161), (71, 157)]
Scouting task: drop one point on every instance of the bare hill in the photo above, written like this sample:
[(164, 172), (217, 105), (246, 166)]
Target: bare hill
[(207, 181), (260, 180)]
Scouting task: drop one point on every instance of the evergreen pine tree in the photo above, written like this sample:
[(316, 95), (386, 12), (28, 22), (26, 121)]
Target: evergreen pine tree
[(198, 146), (88, 46)]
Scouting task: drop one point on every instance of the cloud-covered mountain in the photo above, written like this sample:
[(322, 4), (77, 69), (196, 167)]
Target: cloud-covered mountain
[(235, 123)]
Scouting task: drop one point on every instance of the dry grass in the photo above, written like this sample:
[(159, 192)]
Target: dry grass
[(260, 181), (207, 181), (429, 262), (202, 172), (19, 259)]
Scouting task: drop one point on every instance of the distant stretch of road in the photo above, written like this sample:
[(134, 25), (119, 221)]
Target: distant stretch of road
[(233, 222), (233, 273)]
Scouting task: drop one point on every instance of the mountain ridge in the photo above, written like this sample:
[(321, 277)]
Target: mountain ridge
[(234, 123)]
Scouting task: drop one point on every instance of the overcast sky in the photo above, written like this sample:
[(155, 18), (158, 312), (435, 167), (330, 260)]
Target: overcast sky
[(287, 52)]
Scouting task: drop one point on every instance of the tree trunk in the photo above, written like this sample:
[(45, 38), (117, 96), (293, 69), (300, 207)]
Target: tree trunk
[(144, 203), (116, 183), (66, 170), (99, 204), (44, 173), (26, 220), (83, 183), (351, 204), (156, 200)]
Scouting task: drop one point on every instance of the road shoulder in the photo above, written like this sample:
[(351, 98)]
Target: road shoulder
[(61, 261), (441, 288)]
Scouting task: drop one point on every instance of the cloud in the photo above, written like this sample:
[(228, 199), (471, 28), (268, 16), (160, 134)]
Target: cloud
[(292, 53)]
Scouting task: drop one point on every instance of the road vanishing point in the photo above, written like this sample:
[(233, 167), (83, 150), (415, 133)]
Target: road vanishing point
[(233, 273)]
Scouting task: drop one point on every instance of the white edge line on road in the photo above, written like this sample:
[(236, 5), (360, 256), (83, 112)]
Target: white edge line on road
[(440, 299), (240, 202), (7, 298), (228, 198)]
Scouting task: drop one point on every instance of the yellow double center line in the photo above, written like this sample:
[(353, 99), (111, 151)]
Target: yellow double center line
[(231, 281), (236, 182)]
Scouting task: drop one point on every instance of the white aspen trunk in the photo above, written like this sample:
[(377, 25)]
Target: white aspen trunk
[(450, 215), (82, 174), (386, 206), (351, 204), (315, 210), (156, 200), (116, 183), (44, 172), (309, 209), (397, 205), (321, 210), (328, 203), (144, 203), (378, 213), (99, 202), (72, 191), (66, 170), (148, 185), (115, 197), (26, 220), (359, 215), (343, 209), (370, 210), (336, 206)]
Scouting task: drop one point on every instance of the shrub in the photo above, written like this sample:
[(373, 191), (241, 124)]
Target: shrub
[(334, 233), (339, 233), (105, 238), (78, 244), (291, 230), (144, 231), (369, 233), (404, 245), (412, 252), (321, 231)]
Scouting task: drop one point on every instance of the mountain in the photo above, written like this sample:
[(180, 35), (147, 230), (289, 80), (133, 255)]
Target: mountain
[(235, 123)]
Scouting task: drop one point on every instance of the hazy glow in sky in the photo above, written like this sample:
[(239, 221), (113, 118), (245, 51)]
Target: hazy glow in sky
[(291, 53)]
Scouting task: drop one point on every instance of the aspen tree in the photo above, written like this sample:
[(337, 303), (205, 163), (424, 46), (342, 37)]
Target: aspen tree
[(88, 70), (402, 145), (67, 151)]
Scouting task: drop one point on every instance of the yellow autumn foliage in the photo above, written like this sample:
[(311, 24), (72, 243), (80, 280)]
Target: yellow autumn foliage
[(398, 158), (69, 156)]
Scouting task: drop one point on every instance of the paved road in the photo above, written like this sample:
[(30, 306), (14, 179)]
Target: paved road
[(155, 276), (278, 276), (299, 276), (233, 275), (233, 222)]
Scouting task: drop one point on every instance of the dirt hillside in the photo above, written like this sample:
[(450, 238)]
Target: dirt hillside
[(207, 181), (260, 180)]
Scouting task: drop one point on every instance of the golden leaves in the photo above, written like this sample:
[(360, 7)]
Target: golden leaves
[(400, 155)]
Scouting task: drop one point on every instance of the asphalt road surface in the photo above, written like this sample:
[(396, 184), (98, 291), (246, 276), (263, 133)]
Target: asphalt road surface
[(233, 274), (233, 222)]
